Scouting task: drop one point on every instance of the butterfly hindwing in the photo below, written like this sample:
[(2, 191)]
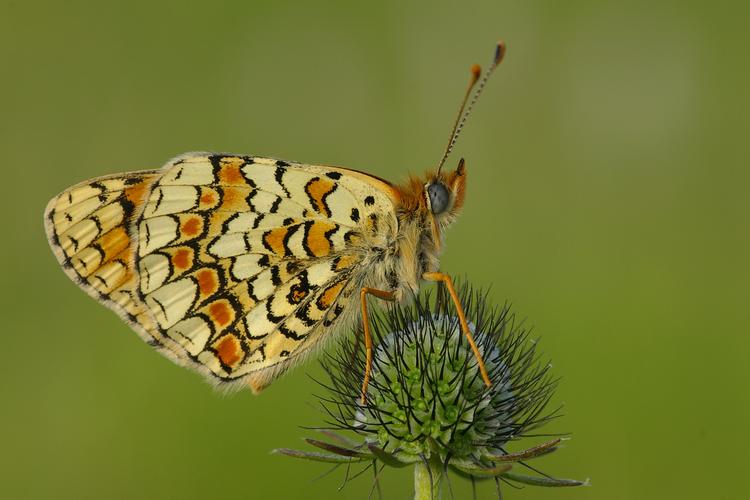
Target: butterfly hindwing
[(243, 261)]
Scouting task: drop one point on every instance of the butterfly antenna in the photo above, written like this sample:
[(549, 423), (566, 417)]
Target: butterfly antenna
[(471, 99)]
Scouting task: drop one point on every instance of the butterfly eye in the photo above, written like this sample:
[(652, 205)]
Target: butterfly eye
[(439, 197)]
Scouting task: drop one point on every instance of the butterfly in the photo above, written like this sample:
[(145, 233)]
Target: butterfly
[(240, 266)]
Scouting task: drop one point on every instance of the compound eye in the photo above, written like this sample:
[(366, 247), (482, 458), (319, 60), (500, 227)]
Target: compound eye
[(439, 197)]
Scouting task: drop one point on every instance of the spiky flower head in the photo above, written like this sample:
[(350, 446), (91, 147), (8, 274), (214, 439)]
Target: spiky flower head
[(426, 401)]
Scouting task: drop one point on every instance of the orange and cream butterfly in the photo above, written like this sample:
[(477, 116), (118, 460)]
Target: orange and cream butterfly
[(241, 266)]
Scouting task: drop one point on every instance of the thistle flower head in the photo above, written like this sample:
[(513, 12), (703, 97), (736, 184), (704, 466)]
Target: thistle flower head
[(426, 401), (426, 395)]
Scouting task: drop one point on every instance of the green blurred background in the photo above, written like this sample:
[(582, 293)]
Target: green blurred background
[(608, 201)]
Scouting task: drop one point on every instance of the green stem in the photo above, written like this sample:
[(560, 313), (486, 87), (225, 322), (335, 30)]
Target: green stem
[(428, 479)]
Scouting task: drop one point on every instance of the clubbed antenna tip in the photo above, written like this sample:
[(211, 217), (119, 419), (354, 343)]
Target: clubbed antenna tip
[(476, 72), (499, 52)]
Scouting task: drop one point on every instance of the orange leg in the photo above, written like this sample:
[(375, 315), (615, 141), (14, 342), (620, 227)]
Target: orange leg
[(437, 276), (381, 294)]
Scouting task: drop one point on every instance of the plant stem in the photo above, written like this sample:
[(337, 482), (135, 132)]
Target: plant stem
[(428, 477)]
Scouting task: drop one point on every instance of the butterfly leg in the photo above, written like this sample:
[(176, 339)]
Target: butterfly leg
[(381, 294), (448, 282)]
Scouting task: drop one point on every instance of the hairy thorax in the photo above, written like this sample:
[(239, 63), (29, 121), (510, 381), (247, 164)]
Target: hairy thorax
[(407, 256)]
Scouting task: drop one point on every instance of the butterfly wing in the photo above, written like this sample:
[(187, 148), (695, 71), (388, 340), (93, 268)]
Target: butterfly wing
[(89, 227), (245, 262)]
